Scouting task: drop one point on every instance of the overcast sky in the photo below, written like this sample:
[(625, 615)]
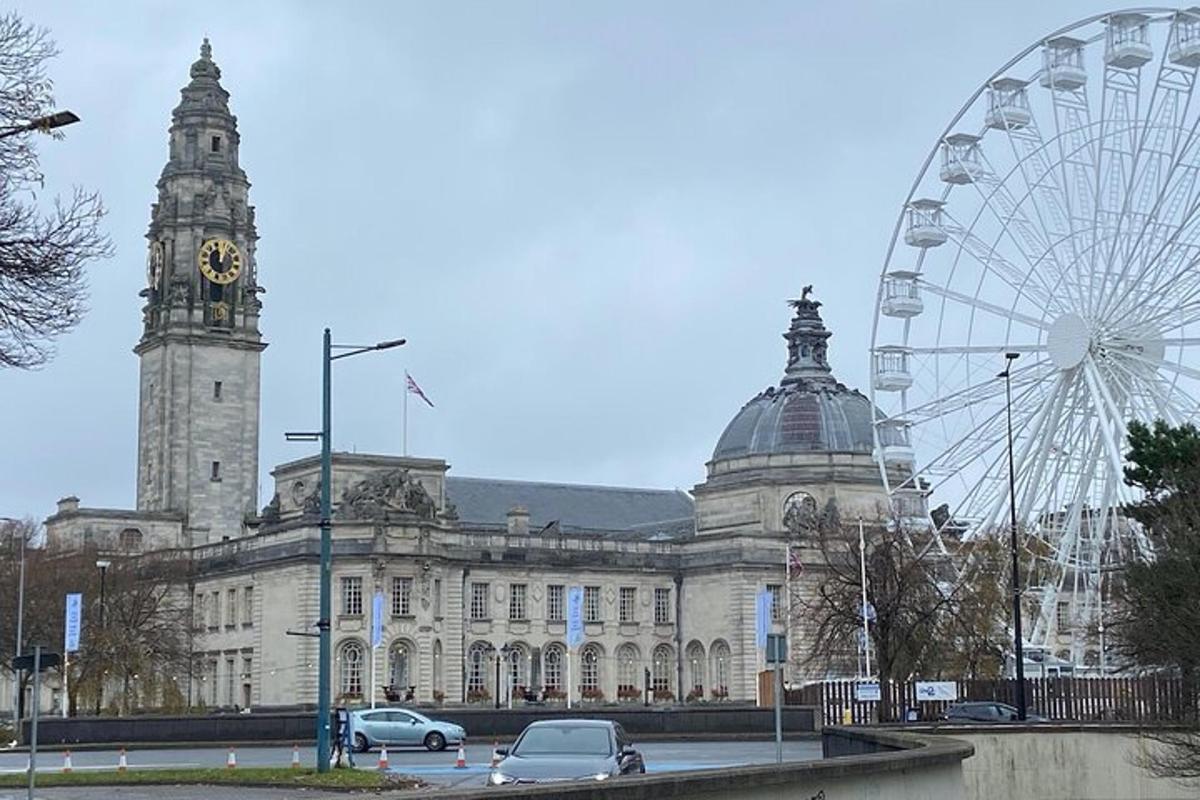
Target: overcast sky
[(585, 217)]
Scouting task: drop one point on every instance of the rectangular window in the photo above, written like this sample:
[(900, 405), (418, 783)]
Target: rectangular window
[(479, 601), (216, 390), (352, 596), (214, 611), (216, 470), (554, 602), (231, 608), (437, 598), (248, 606), (247, 673), (215, 145), (591, 604), (516, 601), (230, 682), (402, 597), (212, 683), (627, 609), (1063, 617), (776, 591), (662, 606), (200, 619)]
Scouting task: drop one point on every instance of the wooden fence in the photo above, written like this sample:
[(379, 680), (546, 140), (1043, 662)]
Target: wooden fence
[(1152, 698)]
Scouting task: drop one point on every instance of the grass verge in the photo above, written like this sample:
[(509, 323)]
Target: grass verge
[(349, 779)]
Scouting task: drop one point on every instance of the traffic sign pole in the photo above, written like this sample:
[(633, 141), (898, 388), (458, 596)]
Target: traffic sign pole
[(33, 715)]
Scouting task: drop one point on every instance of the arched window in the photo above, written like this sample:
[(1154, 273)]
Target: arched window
[(400, 673), (661, 669), (518, 666), (695, 670), (552, 667), (477, 671), (628, 679), (350, 661), (589, 673), (719, 658), (130, 540)]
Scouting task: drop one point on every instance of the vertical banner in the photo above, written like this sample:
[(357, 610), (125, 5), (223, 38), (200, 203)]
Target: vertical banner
[(574, 616), (377, 620), (762, 618), (74, 619)]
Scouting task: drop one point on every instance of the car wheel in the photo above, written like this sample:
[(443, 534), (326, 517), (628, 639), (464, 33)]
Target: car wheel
[(361, 745), (435, 741)]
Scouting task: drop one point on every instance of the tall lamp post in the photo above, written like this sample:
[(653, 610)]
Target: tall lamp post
[(103, 566), (1018, 643), (326, 577)]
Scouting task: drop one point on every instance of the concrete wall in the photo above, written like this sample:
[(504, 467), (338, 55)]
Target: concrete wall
[(1062, 763)]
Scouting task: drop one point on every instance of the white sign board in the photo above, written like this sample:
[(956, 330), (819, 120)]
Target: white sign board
[(377, 620), (937, 690), (866, 692), (762, 617)]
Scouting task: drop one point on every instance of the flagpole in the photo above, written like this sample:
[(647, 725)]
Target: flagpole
[(862, 561), (787, 583), (404, 418)]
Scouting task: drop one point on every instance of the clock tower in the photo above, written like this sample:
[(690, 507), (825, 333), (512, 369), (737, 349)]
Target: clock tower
[(198, 412)]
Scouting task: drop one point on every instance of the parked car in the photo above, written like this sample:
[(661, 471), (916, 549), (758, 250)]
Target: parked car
[(567, 750), (986, 711), (399, 727)]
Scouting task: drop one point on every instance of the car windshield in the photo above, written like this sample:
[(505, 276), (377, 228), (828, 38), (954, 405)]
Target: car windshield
[(564, 740)]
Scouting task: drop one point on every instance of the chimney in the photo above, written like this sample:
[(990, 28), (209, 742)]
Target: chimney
[(518, 521), (68, 504)]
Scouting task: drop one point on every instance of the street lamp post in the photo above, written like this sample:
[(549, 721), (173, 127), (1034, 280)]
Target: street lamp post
[(103, 566), (44, 124), (1018, 644), (326, 565)]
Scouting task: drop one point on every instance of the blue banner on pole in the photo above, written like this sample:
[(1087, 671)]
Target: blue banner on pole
[(762, 617), (377, 620), (574, 616), (74, 621)]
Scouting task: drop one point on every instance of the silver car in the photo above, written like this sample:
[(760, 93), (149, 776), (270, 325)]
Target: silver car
[(398, 727)]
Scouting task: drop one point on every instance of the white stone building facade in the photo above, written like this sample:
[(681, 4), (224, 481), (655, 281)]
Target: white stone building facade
[(473, 572)]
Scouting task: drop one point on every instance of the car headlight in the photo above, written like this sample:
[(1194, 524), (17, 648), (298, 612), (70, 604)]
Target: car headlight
[(600, 776), (499, 779)]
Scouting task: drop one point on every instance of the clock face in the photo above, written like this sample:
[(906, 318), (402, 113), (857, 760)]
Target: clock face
[(220, 261), (154, 265)]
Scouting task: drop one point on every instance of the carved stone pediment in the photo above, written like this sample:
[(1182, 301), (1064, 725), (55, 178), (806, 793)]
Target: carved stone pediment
[(384, 495)]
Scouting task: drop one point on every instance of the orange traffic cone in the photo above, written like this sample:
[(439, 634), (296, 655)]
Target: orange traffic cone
[(461, 761), (495, 754), (383, 757), (231, 760), (67, 761), (122, 763), (295, 756)]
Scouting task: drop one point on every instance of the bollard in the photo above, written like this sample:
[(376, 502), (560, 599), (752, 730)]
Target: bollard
[(66, 761), (122, 763), (231, 760), (295, 756)]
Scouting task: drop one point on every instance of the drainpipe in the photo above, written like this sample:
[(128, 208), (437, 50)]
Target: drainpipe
[(679, 637)]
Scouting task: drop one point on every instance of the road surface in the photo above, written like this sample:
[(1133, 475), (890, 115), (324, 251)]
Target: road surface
[(434, 768)]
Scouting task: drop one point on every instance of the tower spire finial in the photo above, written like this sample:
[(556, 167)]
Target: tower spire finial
[(206, 50), (806, 340)]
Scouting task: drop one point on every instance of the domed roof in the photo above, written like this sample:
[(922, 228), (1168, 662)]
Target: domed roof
[(810, 411)]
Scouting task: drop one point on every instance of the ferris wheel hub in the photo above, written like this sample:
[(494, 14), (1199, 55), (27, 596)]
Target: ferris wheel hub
[(1068, 341)]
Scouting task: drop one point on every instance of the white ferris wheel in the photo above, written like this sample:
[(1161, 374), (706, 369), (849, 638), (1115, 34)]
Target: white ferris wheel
[(1058, 218)]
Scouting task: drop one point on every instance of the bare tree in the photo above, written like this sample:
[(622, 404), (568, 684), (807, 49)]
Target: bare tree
[(42, 251)]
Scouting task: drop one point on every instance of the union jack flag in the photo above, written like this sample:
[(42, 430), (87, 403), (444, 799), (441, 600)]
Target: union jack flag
[(414, 389)]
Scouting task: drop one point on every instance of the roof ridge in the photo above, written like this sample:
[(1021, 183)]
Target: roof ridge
[(559, 484)]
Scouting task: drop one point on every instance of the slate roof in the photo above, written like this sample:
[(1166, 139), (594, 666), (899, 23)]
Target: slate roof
[(576, 507)]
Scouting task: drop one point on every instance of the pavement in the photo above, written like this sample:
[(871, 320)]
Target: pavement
[(436, 769)]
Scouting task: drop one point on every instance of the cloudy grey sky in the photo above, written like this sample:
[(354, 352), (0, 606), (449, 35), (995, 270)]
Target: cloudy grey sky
[(585, 217)]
